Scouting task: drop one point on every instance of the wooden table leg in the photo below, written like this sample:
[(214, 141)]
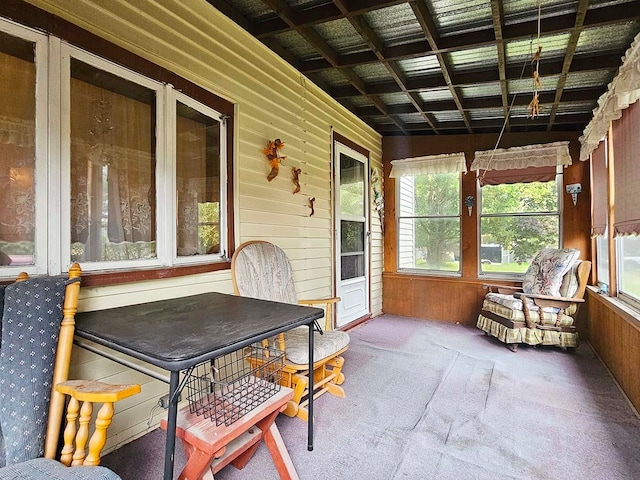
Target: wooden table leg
[(197, 466), (279, 452)]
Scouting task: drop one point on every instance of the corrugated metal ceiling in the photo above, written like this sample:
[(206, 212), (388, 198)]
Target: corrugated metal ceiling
[(448, 66)]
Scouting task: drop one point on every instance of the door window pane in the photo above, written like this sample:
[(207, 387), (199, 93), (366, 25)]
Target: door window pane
[(17, 151), (113, 167), (352, 249), (197, 182), (351, 186)]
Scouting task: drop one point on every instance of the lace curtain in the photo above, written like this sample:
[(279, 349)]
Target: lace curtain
[(622, 92), (112, 170), (17, 160)]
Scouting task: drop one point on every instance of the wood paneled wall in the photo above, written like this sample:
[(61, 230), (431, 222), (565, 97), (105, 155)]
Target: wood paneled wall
[(615, 335), (458, 299), (446, 299)]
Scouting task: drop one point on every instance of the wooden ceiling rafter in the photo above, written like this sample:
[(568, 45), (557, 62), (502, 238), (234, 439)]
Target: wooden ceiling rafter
[(286, 13), (430, 31), (327, 13), (376, 45), (573, 95), (570, 51), (518, 124), (497, 15), (600, 17), (318, 14), (605, 62), (425, 67)]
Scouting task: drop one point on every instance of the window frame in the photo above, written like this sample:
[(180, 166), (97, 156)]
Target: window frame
[(399, 217), (514, 276), (173, 98), (42, 146), (52, 243)]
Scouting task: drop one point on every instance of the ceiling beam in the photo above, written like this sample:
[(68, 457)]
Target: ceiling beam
[(581, 13), (376, 45), (486, 77), (286, 13), (497, 14), (559, 24), (430, 31), (325, 12), (576, 95), (520, 123)]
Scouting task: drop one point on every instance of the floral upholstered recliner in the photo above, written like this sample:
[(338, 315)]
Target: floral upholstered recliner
[(543, 311)]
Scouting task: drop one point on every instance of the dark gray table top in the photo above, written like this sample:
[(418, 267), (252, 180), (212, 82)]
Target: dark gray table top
[(178, 333)]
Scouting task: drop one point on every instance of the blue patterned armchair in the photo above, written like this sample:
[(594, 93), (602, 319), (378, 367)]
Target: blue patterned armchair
[(35, 350), (543, 311)]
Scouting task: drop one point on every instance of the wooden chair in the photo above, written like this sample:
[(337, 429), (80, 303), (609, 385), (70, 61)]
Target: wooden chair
[(37, 337), (542, 311), (262, 270)]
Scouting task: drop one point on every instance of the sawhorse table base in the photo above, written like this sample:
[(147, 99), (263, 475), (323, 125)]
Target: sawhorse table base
[(210, 447)]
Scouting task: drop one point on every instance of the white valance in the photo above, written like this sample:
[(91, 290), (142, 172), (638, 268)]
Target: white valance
[(544, 155), (429, 165), (623, 91)]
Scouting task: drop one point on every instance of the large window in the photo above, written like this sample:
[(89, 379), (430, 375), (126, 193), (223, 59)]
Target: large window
[(113, 158), (102, 165), (429, 222), (516, 221)]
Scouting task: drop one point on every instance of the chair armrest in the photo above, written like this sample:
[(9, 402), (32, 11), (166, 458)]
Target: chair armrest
[(319, 301), (92, 391), (328, 324), (550, 300), (76, 432), (504, 289)]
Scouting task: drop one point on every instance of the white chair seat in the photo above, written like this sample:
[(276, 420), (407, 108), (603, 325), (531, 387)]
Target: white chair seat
[(324, 346)]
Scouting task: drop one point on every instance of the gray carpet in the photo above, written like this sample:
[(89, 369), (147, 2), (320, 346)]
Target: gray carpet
[(430, 400)]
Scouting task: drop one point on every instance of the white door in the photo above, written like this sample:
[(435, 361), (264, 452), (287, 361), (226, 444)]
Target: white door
[(352, 234)]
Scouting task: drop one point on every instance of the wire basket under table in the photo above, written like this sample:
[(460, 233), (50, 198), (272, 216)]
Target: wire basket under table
[(235, 384)]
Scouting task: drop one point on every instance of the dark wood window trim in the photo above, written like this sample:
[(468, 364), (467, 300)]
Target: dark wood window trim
[(351, 144), (33, 17), (97, 279)]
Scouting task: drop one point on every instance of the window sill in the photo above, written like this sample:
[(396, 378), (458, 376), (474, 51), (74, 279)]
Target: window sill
[(99, 279), (429, 273), (626, 311)]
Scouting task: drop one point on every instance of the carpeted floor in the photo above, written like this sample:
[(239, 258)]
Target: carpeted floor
[(430, 400)]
